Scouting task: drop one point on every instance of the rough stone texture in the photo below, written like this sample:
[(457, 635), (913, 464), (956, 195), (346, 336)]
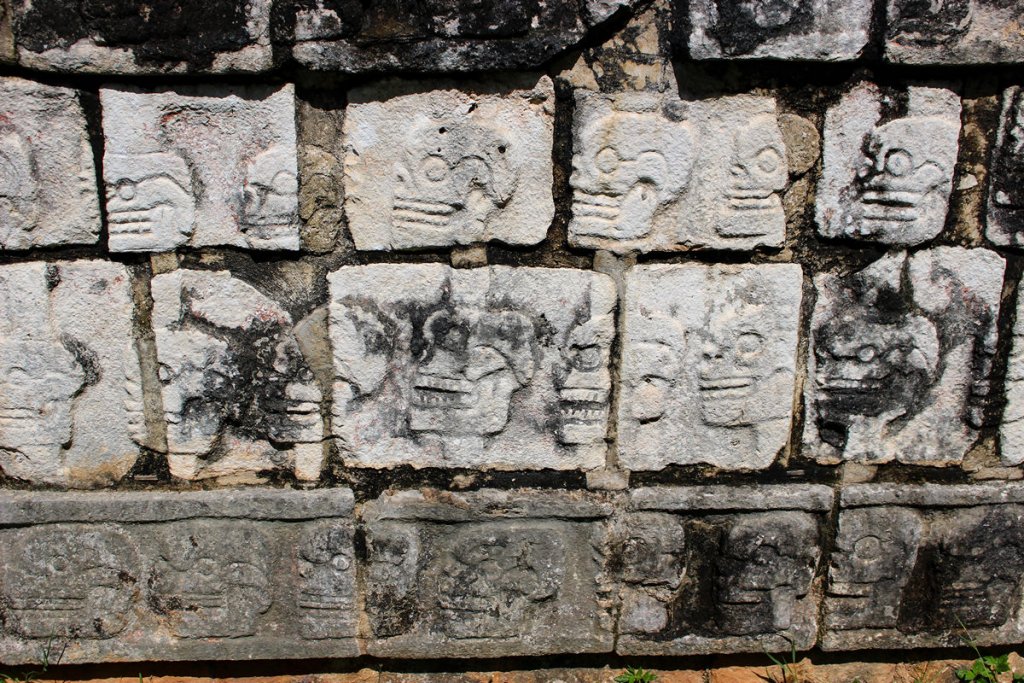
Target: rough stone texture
[(48, 190), (889, 159), (1012, 432), (114, 37), (178, 576), (439, 167), (487, 367), (321, 174), (901, 356), (652, 173), (738, 578), (829, 30), (490, 573), (955, 31), (238, 395), (708, 364), (435, 35), (7, 51), (1005, 225), (70, 395), (917, 576), (202, 165)]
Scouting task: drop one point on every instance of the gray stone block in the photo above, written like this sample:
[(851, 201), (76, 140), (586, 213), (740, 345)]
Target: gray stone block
[(954, 32), (504, 368), (907, 574), (708, 364), (901, 356), (1005, 225), (719, 569), (177, 576), (487, 574)]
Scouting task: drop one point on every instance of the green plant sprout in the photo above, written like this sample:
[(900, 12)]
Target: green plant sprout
[(637, 675), (46, 661), (985, 668)]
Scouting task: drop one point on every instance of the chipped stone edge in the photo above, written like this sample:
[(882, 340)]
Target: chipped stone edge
[(808, 497), (932, 495)]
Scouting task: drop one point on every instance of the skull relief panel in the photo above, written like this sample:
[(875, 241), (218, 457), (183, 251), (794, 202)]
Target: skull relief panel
[(1006, 191), (708, 366), (493, 367), (201, 166), (782, 29), (48, 191), (889, 160), (901, 357), (70, 389), (447, 167), (954, 31), (238, 395)]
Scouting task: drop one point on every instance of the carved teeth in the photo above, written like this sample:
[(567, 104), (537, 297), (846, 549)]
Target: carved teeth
[(591, 395), (725, 383)]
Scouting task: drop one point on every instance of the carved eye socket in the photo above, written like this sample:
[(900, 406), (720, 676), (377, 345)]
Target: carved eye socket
[(768, 160), (749, 343), (868, 548), (340, 562), (898, 162), (866, 353), (634, 550), (434, 168), (125, 189), (587, 358), (607, 160)]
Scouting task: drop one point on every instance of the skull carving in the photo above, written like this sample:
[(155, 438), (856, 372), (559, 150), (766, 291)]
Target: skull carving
[(326, 591), (904, 185), (454, 175), (17, 186), (628, 167), (654, 365), (270, 206), (584, 392), (474, 361), (758, 173), (149, 201)]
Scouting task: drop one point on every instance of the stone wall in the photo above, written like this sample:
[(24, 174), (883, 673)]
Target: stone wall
[(381, 331)]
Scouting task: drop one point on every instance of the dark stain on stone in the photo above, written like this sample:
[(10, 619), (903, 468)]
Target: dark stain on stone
[(743, 25)]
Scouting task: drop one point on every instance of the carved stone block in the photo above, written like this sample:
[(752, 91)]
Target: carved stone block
[(1011, 435), (888, 164), (901, 357), (914, 566), (238, 395), (1005, 225), (177, 576), (821, 30), (101, 36), (70, 393), (48, 190), (489, 573), (442, 167), (708, 364), (652, 173), (200, 166), (954, 31), (490, 367), (719, 569)]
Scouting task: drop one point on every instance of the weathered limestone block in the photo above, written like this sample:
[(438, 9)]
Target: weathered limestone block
[(199, 166), (955, 32), (1011, 434), (494, 367), (442, 167), (708, 364), (916, 565), (901, 357), (177, 576), (70, 393), (719, 568), (1005, 225), (238, 395), (435, 35), (828, 30), (106, 36), (641, 181), (889, 160), (48, 190), (7, 51), (487, 574)]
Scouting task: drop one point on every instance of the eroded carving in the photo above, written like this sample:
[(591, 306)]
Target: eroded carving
[(482, 367), (929, 23), (446, 167), (150, 203), (708, 364), (953, 31), (270, 204), (326, 587), (238, 395), (650, 554), (1011, 434), (1006, 197), (68, 581), (901, 356), (888, 175)]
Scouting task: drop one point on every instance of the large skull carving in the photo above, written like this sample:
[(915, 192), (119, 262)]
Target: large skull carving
[(584, 392), (149, 201), (757, 174), (270, 206), (474, 361), (906, 179), (629, 165), (452, 177), (17, 186)]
